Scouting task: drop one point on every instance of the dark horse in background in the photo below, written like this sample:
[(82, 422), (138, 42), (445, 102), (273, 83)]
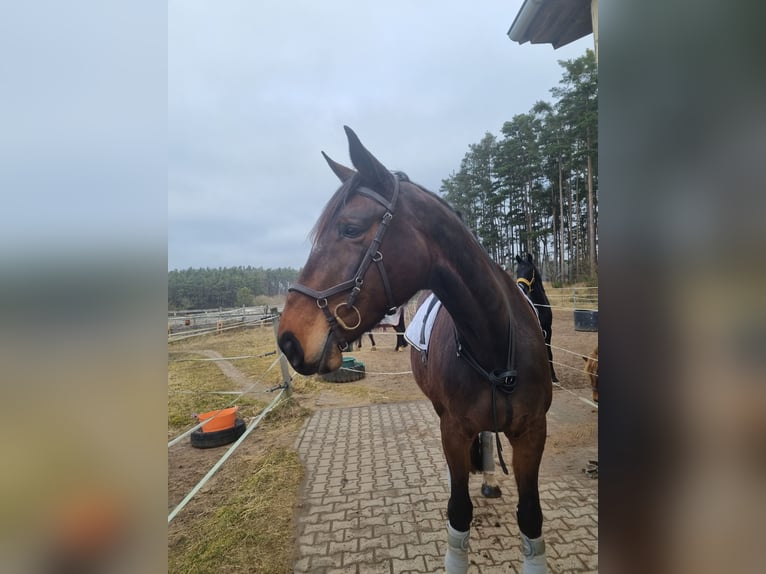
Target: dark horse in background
[(531, 282), (395, 322), (379, 240)]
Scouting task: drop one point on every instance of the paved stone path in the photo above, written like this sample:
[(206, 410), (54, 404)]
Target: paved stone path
[(376, 493)]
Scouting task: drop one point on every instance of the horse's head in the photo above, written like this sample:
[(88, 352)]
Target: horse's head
[(526, 273), (361, 265)]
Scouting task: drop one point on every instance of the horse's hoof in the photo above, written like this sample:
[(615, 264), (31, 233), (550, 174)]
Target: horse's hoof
[(374, 349), (488, 491)]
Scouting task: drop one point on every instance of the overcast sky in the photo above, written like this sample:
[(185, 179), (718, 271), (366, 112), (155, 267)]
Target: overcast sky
[(257, 89)]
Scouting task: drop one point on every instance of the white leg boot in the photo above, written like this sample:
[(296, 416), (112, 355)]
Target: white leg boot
[(456, 559), (534, 555)]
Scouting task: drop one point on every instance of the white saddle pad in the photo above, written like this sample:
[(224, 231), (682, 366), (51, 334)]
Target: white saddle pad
[(418, 332)]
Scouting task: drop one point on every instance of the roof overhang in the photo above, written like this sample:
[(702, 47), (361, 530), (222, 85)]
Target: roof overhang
[(555, 22)]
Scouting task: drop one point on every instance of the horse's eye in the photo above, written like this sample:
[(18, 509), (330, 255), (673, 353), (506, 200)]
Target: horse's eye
[(350, 231)]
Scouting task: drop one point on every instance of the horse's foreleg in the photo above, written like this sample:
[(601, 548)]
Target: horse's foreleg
[(460, 508), (527, 454)]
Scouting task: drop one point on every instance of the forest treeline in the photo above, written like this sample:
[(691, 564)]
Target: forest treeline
[(533, 188), (226, 286)]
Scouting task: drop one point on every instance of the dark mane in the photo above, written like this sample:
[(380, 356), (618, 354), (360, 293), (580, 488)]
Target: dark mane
[(441, 200)]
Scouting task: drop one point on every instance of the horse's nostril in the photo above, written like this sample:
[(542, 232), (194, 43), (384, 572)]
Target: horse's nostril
[(291, 347)]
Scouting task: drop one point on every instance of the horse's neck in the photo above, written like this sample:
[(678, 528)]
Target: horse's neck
[(473, 288), (475, 291), (538, 293)]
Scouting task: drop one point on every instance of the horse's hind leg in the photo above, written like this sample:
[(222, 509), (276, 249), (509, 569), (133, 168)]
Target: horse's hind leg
[(489, 486), (457, 449), (527, 454), (401, 342), (483, 460)]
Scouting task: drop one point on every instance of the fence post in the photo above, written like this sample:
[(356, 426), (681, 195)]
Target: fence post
[(282, 359)]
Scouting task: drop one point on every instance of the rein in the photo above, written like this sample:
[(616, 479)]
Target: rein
[(354, 285)]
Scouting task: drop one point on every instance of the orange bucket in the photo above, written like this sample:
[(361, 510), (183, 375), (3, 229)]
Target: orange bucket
[(224, 419)]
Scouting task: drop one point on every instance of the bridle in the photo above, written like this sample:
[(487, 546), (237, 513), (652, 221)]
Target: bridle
[(354, 285), (528, 282)]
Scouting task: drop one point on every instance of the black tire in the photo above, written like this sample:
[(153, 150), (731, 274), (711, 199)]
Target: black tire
[(348, 373), (201, 439)]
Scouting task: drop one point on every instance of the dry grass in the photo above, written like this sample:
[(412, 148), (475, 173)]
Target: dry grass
[(192, 387), (242, 521), (306, 385), (257, 341), (192, 383), (251, 529)]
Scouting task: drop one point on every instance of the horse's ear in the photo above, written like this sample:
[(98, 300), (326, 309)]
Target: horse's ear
[(529, 257), (344, 173), (518, 259), (370, 169)]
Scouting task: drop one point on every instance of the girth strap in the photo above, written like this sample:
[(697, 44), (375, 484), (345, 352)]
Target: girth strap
[(502, 380), (432, 303)]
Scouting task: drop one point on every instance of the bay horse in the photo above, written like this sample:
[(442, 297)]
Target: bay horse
[(531, 282), (380, 239)]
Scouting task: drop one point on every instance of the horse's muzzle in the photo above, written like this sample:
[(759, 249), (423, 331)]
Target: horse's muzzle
[(321, 364), (293, 350)]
